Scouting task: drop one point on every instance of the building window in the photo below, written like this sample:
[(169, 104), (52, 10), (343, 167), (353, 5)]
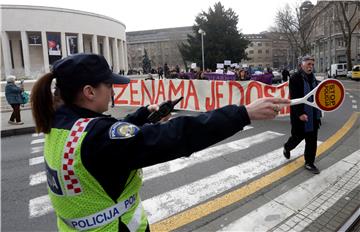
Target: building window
[(251, 52), (260, 51), (340, 43), (259, 44), (267, 51)]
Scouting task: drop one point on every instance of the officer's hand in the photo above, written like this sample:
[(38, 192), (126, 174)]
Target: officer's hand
[(266, 108), (166, 118), (303, 117), (155, 107)]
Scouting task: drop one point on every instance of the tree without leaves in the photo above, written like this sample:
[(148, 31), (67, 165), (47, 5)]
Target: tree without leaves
[(347, 23), (296, 28), (146, 63), (221, 42)]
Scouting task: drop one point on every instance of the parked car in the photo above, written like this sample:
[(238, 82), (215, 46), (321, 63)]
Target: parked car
[(355, 72), (277, 78), (337, 70)]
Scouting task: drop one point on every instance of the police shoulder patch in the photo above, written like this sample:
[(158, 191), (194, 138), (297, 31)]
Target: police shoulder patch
[(123, 130)]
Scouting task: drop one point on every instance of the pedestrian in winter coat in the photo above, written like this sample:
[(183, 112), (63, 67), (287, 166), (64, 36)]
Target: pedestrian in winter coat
[(305, 120), (14, 98)]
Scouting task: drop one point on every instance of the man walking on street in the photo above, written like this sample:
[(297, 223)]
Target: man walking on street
[(305, 120)]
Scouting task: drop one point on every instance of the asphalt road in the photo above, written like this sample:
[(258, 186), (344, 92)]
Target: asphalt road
[(24, 202)]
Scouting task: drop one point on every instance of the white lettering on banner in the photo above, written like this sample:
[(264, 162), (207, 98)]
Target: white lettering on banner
[(199, 95), (104, 217)]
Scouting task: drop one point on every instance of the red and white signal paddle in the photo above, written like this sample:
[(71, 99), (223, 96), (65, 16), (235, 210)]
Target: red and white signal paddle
[(329, 95)]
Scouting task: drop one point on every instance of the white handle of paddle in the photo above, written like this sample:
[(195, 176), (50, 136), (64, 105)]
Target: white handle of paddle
[(304, 100)]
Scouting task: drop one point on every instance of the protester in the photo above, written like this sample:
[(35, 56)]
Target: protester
[(305, 120), (14, 98), (285, 74), (166, 70), (93, 161), (160, 72)]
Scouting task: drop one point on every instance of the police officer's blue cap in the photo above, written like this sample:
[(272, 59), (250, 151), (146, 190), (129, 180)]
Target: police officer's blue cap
[(82, 69)]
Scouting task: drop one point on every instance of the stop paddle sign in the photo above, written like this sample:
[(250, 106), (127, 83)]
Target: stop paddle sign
[(329, 95)]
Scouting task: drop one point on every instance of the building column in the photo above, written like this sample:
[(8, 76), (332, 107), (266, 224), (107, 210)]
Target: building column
[(6, 52), (45, 51), (94, 44), (121, 55), (80, 43), (25, 50), (63, 45), (107, 49), (125, 57), (116, 55)]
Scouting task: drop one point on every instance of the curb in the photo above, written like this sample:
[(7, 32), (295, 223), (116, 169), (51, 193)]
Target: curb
[(17, 131)]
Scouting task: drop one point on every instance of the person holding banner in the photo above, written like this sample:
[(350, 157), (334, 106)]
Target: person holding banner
[(93, 161), (305, 119)]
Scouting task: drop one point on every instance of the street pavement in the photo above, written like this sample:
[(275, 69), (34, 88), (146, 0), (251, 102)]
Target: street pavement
[(332, 206)]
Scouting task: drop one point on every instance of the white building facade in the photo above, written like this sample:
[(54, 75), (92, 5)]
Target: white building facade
[(34, 37)]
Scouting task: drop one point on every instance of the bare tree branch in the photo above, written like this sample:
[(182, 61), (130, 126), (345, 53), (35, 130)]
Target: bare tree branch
[(356, 10), (345, 25)]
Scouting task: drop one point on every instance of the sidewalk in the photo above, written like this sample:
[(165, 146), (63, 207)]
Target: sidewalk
[(29, 125)]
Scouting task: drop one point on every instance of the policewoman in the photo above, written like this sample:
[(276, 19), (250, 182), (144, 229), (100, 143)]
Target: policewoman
[(93, 161)]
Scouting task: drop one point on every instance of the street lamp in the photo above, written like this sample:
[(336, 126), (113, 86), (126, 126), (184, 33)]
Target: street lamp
[(202, 32)]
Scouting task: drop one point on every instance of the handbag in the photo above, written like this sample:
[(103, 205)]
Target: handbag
[(25, 96)]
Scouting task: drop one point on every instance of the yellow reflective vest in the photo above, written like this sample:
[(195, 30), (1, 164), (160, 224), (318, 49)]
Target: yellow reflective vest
[(79, 200)]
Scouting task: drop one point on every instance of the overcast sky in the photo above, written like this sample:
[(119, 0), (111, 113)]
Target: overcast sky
[(254, 15)]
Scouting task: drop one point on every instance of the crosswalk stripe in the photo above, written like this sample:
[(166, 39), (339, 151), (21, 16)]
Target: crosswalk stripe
[(186, 196), (40, 206), (37, 135), (36, 141), (40, 209), (36, 160), (207, 154), (37, 178), (296, 199), (178, 164), (37, 149)]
